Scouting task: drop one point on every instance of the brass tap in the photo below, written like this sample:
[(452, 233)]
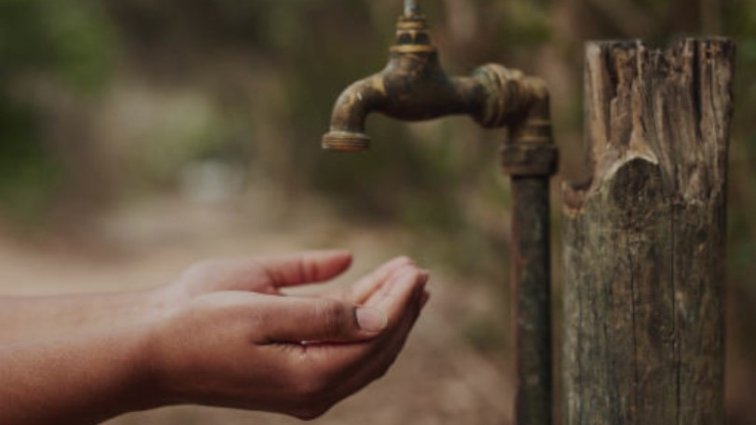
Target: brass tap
[(414, 87)]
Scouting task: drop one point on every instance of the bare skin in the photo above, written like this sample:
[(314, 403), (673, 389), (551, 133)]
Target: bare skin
[(222, 334)]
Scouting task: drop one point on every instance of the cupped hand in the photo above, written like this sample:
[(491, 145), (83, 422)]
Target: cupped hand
[(238, 342)]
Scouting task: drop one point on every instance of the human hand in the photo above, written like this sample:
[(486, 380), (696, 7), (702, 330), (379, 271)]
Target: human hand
[(238, 343)]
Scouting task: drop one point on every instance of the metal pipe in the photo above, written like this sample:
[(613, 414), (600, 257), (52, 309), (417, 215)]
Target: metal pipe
[(530, 159), (532, 299), (411, 8)]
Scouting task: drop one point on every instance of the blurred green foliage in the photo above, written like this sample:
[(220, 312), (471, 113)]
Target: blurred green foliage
[(68, 40), (27, 172), (40, 39)]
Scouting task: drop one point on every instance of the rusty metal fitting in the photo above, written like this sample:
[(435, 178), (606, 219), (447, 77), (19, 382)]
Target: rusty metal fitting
[(505, 94), (411, 23), (412, 36), (529, 159), (533, 131), (530, 150), (346, 141)]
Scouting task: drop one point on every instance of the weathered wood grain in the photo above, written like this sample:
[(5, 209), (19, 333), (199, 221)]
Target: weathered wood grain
[(644, 239)]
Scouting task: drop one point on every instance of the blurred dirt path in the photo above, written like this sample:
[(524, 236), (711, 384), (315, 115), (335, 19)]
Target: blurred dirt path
[(438, 379)]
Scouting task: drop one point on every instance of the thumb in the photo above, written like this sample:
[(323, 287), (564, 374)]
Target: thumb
[(321, 320)]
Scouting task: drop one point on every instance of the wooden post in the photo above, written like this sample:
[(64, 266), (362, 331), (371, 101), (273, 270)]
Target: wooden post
[(644, 240)]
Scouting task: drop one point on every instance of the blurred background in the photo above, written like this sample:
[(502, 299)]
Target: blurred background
[(137, 136)]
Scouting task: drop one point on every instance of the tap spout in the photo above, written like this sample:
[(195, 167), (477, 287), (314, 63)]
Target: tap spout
[(347, 131), (414, 87)]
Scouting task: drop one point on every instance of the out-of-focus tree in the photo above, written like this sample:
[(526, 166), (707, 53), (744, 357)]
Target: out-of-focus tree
[(43, 44)]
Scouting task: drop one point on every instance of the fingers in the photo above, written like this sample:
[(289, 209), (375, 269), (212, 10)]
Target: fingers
[(305, 267), (386, 354), (400, 294), (379, 296), (366, 286), (360, 364), (398, 298), (298, 320)]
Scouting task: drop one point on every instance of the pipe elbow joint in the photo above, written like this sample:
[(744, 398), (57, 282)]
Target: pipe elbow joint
[(510, 96), (530, 151), (347, 130)]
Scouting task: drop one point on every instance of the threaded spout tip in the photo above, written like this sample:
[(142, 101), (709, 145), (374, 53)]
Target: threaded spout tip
[(345, 141)]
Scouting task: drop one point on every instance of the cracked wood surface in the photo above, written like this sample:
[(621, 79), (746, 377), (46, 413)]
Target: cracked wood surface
[(644, 239)]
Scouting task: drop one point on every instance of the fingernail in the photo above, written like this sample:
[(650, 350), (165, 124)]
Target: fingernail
[(371, 319)]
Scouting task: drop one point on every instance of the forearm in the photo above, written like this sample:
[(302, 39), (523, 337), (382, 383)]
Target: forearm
[(31, 318), (84, 379)]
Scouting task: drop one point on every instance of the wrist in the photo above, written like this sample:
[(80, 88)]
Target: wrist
[(148, 366), (139, 330), (156, 360), (159, 303), (141, 384)]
